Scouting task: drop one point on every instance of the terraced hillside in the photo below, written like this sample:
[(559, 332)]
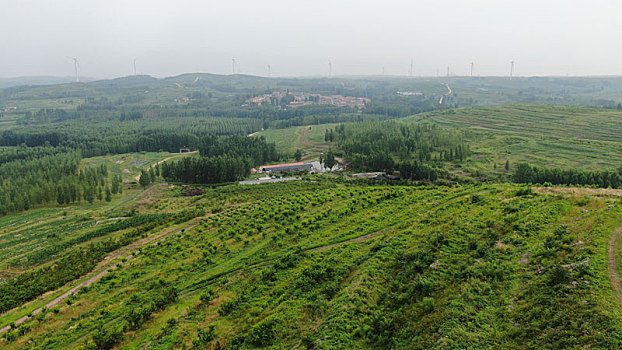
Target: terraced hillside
[(324, 264), (544, 135)]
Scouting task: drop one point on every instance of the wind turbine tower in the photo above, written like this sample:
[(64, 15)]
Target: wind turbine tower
[(330, 68), (472, 64), (75, 67), (411, 67), (447, 72), (269, 71), (511, 69), (233, 65), (134, 66)]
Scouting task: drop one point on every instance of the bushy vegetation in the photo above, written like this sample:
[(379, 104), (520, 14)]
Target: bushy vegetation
[(78, 262), (325, 265)]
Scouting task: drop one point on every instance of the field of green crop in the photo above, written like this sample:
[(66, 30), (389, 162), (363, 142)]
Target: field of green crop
[(324, 264), (309, 139)]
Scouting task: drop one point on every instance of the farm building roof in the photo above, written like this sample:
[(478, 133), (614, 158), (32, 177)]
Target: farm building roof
[(281, 165)]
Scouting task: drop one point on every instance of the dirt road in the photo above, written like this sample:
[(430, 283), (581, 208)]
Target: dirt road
[(103, 268), (614, 275), (165, 160)]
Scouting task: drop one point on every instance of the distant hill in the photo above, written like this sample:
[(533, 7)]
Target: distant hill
[(38, 80)]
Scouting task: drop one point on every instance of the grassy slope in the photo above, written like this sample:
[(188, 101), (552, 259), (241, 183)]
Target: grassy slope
[(310, 139), (356, 266), (556, 136)]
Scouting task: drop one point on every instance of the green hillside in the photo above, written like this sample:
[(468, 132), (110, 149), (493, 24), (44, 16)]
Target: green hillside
[(551, 136), (497, 226), (325, 265)]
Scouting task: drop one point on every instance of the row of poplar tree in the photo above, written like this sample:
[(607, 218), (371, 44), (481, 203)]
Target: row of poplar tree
[(55, 178)]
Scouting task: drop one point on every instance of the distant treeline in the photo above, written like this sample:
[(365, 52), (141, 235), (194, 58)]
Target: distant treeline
[(9, 154), (525, 173), (113, 137)]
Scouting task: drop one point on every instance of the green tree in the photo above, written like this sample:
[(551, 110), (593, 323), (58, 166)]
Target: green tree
[(114, 185), (144, 179), (108, 194), (298, 155), (507, 165), (89, 194), (329, 160)]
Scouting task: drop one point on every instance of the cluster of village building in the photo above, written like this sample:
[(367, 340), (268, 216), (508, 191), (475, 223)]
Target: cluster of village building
[(298, 99)]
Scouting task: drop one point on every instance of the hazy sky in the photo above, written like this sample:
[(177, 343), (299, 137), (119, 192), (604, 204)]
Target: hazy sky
[(299, 37)]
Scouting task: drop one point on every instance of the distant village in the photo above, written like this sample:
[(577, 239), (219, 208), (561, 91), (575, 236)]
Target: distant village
[(298, 99)]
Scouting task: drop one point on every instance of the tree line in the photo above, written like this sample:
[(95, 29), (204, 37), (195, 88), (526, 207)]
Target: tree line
[(95, 138), (222, 159), (53, 179), (526, 173), (417, 149)]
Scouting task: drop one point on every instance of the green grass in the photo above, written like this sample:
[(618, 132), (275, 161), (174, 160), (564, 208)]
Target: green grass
[(543, 135), (341, 265), (309, 139), (286, 140)]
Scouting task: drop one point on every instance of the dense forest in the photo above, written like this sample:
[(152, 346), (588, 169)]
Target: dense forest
[(52, 179), (99, 138), (222, 159), (387, 146)]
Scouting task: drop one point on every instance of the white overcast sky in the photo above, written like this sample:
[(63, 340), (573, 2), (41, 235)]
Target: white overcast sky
[(299, 37)]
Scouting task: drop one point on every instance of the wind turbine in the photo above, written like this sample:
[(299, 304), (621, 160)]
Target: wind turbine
[(233, 65), (411, 67), (75, 67), (511, 69), (472, 64), (269, 72), (134, 66), (330, 68)]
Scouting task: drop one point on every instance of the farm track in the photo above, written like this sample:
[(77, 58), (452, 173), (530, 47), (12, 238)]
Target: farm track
[(164, 160), (614, 276), (102, 269)]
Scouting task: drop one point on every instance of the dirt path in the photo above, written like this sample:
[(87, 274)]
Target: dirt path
[(312, 148), (165, 160), (614, 243), (102, 269), (352, 240), (599, 192)]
